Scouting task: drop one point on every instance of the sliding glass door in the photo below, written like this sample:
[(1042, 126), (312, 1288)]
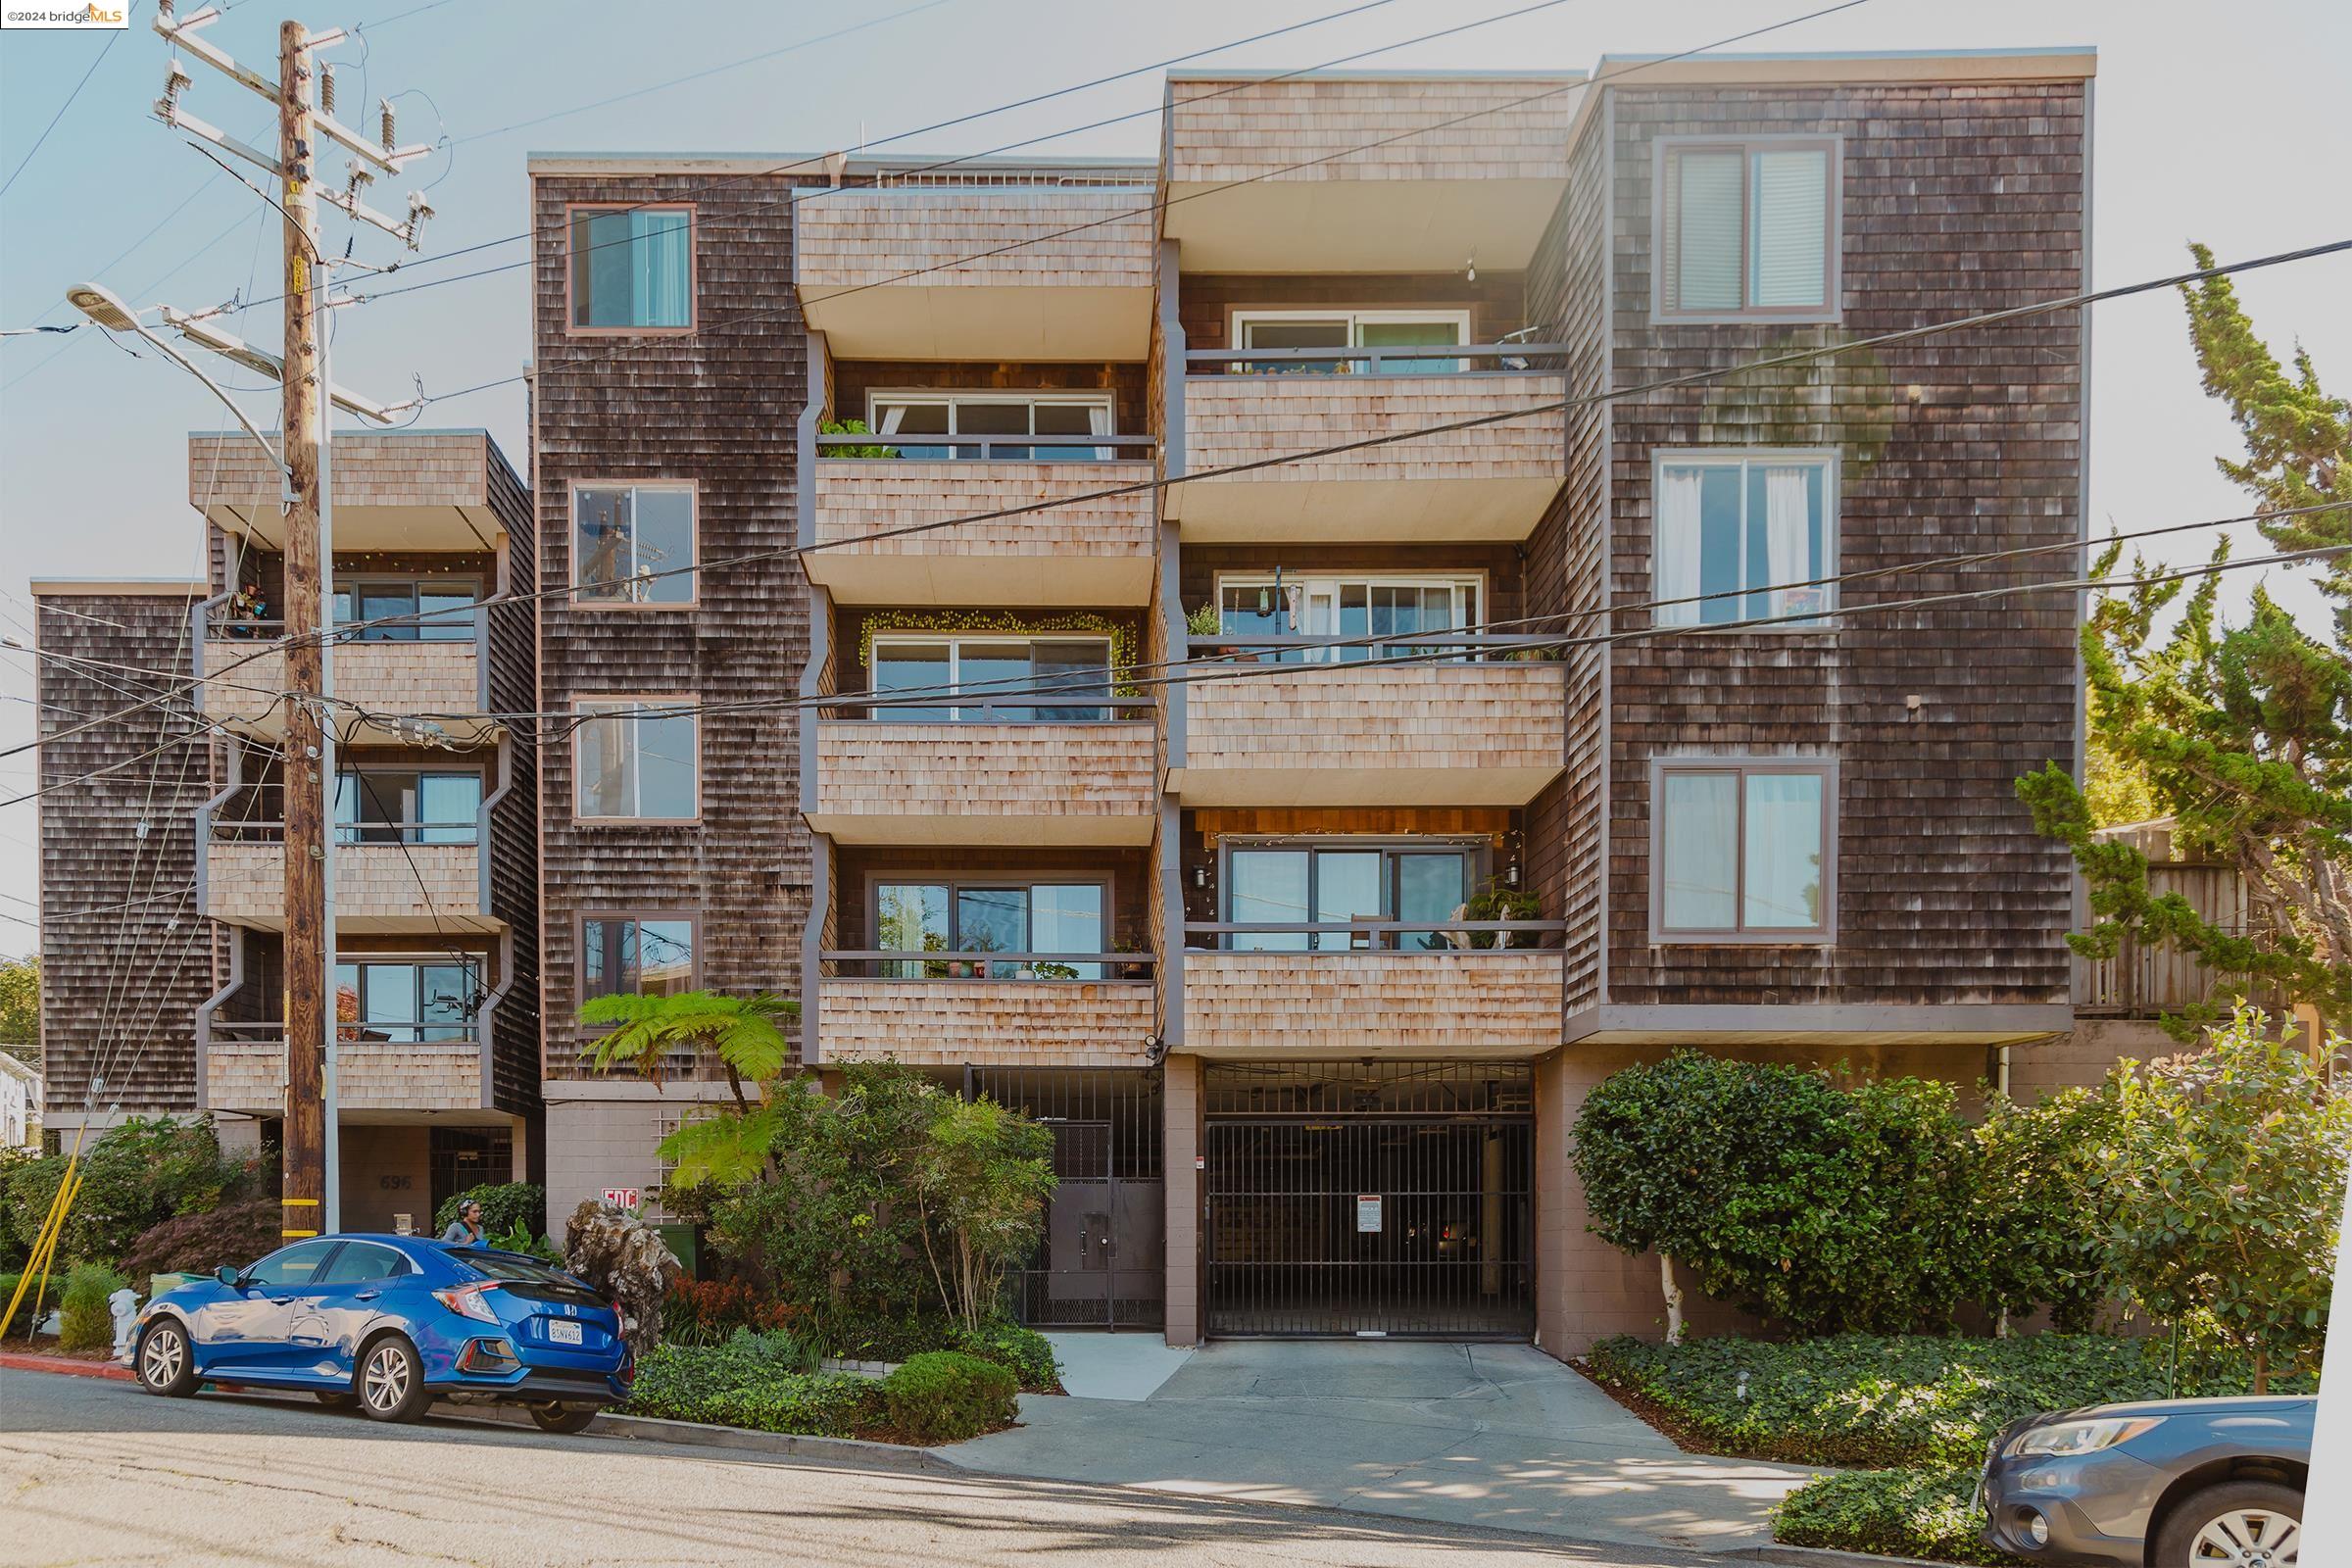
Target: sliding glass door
[(1349, 607), (1337, 885), (990, 916), (1069, 675)]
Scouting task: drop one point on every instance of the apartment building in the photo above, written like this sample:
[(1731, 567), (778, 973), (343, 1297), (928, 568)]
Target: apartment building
[(1301, 837), (163, 967)]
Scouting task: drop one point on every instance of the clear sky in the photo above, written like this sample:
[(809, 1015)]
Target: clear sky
[(2221, 124)]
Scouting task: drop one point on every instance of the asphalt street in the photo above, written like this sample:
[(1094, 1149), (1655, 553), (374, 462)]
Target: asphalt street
[(99, 1473)]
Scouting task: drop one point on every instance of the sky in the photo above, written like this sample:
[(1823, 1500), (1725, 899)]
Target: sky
[(2225, 127)]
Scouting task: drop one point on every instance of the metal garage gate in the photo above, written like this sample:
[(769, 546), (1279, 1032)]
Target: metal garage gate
[(1390, 1198), (1104, 1262)]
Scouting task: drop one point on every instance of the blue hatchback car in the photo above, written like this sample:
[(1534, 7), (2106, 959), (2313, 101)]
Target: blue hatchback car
[(390, 1324)]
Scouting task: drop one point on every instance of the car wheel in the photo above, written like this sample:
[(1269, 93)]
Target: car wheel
[(390, 1381), (166, 1366), (2241, 1523), (336, 1399), (562, 1418)]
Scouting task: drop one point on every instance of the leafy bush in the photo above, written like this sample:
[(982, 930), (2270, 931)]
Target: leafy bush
[(8, 1290), (763, 1382), (1023, 1351), (86, 1321), (2042, 1213), (1899, 1513), (851, 427), (147, 1170), (946, 1396), (1919, 1401), (236, 1234), (707, 1312), (505, 1205)]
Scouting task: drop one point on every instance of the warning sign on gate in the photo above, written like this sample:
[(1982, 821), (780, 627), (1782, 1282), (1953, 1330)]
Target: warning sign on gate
[(1367, 1212)]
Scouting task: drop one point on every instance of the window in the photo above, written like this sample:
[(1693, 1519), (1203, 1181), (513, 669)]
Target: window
[(638, 760), (1748, 228), (1299, 884), (1348, 329), (405, 1000), (1074, 671), (433, 609), (940, 414), (1737, 533), (1344, 607), (622, 957), (633, 544), (633, 269), (407, 805), (1742, 850), (993, 917), (298, 1264), (460, 1157), (361, 1263)]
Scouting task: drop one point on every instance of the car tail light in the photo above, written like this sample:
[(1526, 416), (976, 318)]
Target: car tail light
[(467, 1300)]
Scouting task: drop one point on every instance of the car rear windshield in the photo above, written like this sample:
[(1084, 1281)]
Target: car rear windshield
[(515, 1268)]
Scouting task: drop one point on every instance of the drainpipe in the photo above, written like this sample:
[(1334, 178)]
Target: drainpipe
[(821, 645), (237, 947), (485, 1021)]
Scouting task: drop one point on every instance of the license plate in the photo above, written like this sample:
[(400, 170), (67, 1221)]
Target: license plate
[(564, 1333)]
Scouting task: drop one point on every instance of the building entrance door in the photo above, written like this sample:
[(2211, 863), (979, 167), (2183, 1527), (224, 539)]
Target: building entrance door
[(1102, 1264), (1389, 1199)]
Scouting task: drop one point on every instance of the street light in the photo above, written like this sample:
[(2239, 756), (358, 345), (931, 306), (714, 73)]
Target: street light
[(105, 309)]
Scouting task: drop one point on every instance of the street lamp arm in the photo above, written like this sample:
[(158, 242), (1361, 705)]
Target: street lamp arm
[(107, 311)]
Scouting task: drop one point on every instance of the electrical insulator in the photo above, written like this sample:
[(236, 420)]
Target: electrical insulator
[(385, 104), (326, 88)]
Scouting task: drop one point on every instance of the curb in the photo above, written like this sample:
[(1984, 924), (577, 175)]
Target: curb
[(1831, 1557), (66, 1367), (689, 1434)]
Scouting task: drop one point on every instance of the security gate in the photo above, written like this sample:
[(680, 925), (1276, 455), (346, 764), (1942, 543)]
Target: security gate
[(1103, 1262), (1394, 1199)]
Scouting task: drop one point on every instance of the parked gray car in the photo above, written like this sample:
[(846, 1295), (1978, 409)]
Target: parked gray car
[(2168, 1484)]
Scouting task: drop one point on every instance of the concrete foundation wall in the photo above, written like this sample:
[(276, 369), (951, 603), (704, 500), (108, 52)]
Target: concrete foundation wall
[(609, 1141), (387, 1171), (1180, 1090)]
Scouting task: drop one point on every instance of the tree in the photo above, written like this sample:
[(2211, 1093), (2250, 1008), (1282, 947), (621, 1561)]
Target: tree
[(2236, 733), (980, 1176), (740, 1030), (2226, 1181), (21, 1009)]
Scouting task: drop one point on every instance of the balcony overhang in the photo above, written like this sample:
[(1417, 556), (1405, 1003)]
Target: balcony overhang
[(1491, 1003), (1824, 1025), (1300, 225), (942, 785), (419, 490), (982, 321), (1245, 509)]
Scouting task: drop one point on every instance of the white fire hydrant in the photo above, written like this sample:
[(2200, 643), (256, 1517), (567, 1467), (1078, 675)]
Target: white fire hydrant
[(124, 1304)]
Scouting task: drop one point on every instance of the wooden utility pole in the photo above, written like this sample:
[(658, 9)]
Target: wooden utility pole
[(306, 790)]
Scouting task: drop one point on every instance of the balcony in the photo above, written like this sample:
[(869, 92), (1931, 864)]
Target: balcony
[(1365, 173), (1357, 997), (245, 1070), (993, 1009), (1091, 552), (886, 781), (389, 888), (978, 272), (1488, 482), (1324, 734), (399, 492), (390, 678)]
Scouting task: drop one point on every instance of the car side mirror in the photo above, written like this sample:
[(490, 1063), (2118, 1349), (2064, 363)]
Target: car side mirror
[(228, 1276)]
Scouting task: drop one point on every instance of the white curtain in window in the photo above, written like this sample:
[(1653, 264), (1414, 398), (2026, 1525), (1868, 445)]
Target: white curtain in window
[(1787, 531), (1789, 265), (661, 257), (1698, 859), (1782, 888), (1677, 546), (1702, 258)]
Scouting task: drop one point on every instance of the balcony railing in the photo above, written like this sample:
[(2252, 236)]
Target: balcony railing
[(1377, 936), (1417, 359), (979, 963), (917, 447), (377, 670), (1430, 647), (379, 886), (976, 1008), (2146, 982), (1008, 770), (1078, 704), (245, 1068)]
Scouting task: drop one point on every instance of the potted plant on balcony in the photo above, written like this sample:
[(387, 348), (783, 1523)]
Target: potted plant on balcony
[(851, 427), (1496, 903)]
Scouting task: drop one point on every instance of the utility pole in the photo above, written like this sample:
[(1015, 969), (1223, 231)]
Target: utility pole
[(306, 122), (307, 777)]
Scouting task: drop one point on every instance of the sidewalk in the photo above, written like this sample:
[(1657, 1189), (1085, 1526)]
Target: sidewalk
[(1496, 1435), (26, 1362)]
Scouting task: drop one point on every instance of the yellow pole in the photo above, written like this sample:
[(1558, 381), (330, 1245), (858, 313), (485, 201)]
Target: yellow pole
[(44, 1247)]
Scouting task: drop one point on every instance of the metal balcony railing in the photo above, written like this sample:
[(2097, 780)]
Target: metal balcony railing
[(1323, 936), (924, 446), (1438, 359), (887, 964)]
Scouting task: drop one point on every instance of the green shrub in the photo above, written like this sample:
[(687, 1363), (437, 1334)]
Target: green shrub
[(236, 1234), (946, 1396), (8, 1290), (86, 1323), (763, 1382), (505, 1205), (1897, 1513), (1918, 1401), (1023, 1351), (134, 1176)]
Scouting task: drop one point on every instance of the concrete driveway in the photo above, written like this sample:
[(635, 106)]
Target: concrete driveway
[(1494, 1435)]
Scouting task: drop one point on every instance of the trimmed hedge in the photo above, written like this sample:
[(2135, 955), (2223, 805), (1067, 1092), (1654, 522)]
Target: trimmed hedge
[(505, 1205), (1864, 1400), (84, 1320), (1024, 1351), (1897, 1513), (946, 1396), (761, 1382)]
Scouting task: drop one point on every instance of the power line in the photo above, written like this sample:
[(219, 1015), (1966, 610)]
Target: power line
[(43, 138)]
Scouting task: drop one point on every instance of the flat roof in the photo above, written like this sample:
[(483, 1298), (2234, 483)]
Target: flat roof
[(1376, 76), (624, 161), (2053, 60)]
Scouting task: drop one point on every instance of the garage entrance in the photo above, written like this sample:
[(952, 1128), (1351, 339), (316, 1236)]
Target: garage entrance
[(1389, 1199)]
